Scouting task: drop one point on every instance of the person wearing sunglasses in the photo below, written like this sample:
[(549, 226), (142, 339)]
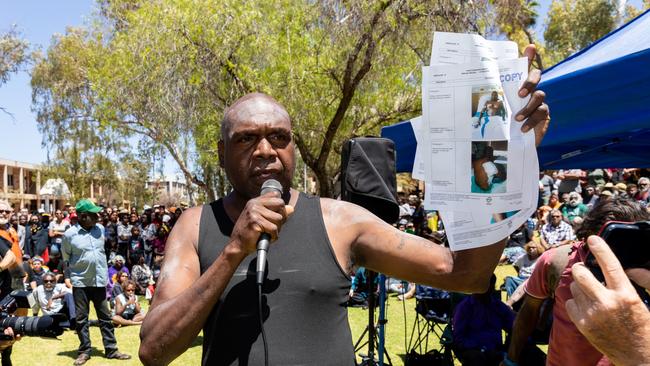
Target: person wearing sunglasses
[(556, 232), (56, 298)]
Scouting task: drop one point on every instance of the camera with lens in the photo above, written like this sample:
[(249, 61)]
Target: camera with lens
[(33, 326)]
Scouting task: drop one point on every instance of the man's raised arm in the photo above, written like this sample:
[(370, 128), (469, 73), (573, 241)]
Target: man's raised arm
[(360, 238)]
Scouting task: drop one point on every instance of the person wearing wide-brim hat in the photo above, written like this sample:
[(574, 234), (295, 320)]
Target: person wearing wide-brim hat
[(83, 250)]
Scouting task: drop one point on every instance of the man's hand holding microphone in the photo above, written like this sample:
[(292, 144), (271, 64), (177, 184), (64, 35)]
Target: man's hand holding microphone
[(260, 222)]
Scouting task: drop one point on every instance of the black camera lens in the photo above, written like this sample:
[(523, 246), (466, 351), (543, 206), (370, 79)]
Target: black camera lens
[(34, 326)]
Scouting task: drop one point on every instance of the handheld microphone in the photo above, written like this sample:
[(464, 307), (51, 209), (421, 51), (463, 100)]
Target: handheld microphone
[(270, 185)]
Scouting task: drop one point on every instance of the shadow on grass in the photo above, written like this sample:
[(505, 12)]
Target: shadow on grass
[(94, 352), (402, 356), (198, 341)]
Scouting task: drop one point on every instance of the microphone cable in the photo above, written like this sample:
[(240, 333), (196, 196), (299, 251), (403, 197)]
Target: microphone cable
[(259, 303), (270, 185)]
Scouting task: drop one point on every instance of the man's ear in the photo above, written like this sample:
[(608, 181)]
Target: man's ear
[(220, 149)]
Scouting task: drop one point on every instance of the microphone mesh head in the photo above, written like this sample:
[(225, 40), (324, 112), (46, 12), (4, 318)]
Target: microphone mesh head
[(271, 185)]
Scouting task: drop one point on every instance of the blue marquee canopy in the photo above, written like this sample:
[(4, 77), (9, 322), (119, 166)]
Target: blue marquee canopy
[(600, 106)]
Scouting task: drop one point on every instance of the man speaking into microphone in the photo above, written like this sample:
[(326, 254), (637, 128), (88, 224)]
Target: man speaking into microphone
[(208, 278)]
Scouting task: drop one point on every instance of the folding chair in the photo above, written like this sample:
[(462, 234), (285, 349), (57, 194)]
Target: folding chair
[(433, 319)]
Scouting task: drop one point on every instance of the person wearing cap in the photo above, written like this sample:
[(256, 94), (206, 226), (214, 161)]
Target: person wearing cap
[(605, 195), (83, 251), (56, 266), (608, 187), (73, 219), (621, 189)]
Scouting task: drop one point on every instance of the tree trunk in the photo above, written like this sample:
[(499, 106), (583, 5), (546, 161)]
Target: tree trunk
[(325, 186)]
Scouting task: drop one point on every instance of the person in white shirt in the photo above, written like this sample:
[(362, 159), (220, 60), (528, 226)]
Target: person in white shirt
[(127, 307), (56, 229), (55, 298)]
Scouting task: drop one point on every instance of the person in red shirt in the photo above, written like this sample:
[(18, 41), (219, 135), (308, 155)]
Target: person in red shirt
[(567, 345), (612, 317)]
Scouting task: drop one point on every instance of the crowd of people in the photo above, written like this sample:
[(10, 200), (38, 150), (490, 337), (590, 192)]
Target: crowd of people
[(110, 253), (573, 204), (133, 244), (134, 247)]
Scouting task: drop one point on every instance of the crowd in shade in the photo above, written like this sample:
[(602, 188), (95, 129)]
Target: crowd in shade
[(573, 204)]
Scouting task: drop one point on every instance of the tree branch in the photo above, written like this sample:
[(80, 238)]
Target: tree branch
[(4, 110), (350, 82)]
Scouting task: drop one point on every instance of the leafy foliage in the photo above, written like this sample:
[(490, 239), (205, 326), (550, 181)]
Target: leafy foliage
[(164, 71), (517, 19), (13, 54), (158, 74), (575, 24)]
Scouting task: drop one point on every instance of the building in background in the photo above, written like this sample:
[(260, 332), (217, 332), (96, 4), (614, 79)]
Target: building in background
[(21, 184), (170, 190), (55, 193)]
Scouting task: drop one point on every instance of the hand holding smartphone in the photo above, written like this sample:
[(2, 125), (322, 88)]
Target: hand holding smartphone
[(630, 242)]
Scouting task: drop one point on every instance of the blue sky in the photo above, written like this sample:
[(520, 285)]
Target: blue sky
[(38, 21)]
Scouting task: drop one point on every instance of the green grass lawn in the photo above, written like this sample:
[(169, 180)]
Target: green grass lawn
[(63, 351)]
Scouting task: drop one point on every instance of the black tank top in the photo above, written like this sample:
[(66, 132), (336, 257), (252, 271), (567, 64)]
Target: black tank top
[(303, 298)]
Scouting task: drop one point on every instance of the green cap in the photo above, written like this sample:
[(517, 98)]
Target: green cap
[(86, 205)]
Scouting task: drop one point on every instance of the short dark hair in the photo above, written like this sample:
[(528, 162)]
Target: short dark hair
[(613, 209)]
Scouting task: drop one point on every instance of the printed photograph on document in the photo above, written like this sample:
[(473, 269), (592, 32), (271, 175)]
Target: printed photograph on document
[(498, 217), (489, 114), (489, 166)]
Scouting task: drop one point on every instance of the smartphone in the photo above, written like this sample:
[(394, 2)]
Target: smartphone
[(630, 242)]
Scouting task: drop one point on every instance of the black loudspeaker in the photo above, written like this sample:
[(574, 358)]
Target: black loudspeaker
[(368, 176)]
